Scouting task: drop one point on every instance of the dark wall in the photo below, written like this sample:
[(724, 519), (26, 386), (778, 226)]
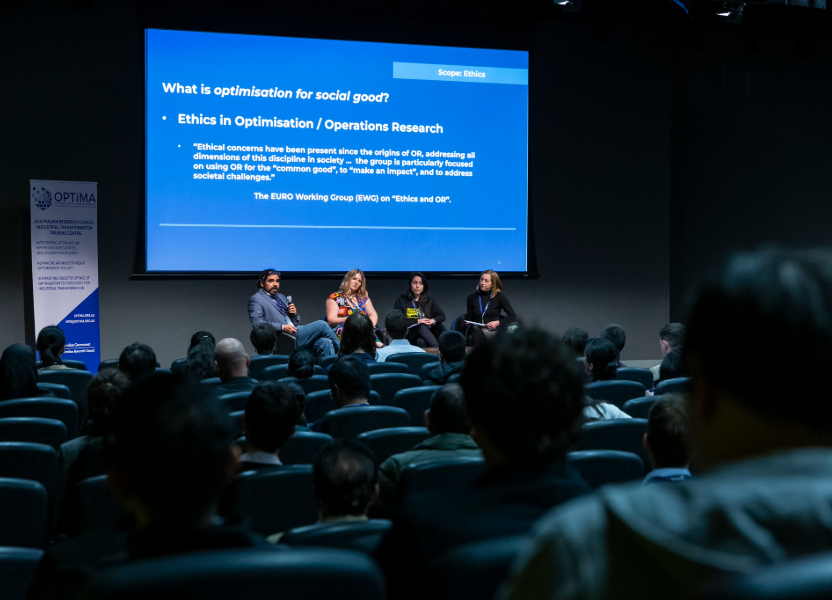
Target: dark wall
[(72, 98)]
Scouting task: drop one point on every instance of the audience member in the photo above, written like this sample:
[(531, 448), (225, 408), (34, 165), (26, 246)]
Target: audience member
[(301, 365), (201, 363), (19, 374), (449, 426), (232, 367), (344, 475), (137, 360), (671, 367), (169, 458), (349, 383), (50, 345), (618, 337), (263, 338), (760, 430), (596, 410), (395, 323), (575, 338), (104, 395), (271, 416), (525, 398), (452, 355), (358, 338), (600, 360), (200, 337), (671, 337), (666, 441)]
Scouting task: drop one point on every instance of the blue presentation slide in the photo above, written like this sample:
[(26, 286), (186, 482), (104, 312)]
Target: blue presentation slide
[(323, 156)]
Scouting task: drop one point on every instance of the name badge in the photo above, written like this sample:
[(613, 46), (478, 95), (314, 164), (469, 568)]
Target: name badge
[(412, 313)]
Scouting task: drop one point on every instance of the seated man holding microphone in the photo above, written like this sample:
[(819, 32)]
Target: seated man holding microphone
[(268, 305)]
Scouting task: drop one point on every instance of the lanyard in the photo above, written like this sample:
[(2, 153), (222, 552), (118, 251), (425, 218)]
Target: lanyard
[(279, 305), (418, 312), (482, 312)]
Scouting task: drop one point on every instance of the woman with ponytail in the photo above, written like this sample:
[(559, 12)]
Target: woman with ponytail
[(599, 360), (50, 345)]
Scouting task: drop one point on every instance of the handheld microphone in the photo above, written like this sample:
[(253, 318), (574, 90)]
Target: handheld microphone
[(289, 299)]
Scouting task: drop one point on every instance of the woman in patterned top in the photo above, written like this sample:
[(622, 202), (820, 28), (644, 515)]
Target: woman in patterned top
[(350, 298)]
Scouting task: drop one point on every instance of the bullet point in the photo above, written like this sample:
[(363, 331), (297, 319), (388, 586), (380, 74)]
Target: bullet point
[(164, 118), (179, 146)]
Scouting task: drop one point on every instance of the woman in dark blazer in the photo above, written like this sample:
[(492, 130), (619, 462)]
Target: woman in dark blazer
[(424, 315), (484, 306)]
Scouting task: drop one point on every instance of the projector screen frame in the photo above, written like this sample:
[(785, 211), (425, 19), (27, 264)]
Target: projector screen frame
[(148, 20)]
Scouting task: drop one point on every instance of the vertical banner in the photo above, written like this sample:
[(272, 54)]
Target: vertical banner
[(64, 217)]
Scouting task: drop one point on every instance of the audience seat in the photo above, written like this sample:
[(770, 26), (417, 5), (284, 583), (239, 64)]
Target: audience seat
[(95, 507), (259, 363), (17, 571), (378, 368), (23, 514), (639, 408), (65, 411), (59, 389), (110, 363), (450, 474), (237, 421), (325, 361), (363, 536), (414, 360), (454, 378), (415, 401), (680, 385), (36, 462), (178, 366), (387, 384), (280, 371), (300, 449), (642, 376), (160, 371), (615, 391), (275, 500), (423, 372), (321, 402), (805, 578), (229, 403), (211, 382), (33, 429), (473, 571), (78, 365), (298, 574), (76, 381), (386, 442), (599, 467), (351, 422), (316, 383), (625, 435)]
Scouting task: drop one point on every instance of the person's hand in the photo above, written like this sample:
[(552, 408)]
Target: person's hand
[(492, 325), (379, 345), (292, 309), (289, 328), (423, 321), (431, 322)]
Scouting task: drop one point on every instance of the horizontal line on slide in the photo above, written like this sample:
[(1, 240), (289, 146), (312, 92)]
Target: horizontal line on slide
[(336, 227)]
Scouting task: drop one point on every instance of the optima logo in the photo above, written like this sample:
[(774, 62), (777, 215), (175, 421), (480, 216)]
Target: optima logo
[(42, 198), (74, 198)]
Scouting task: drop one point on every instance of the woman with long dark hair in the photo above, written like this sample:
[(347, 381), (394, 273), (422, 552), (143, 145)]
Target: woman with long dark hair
[(424, 315), (18, 374), (599, 360), (50, 344), (358, 338)]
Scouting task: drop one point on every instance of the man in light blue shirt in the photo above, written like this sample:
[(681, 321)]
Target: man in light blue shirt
[(395, 323)]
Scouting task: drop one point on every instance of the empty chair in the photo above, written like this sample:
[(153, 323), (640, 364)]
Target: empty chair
[(473, 571), (229, 403), (33, 429), (319, 403), (599, 467), (351, 422), (427, 368), (447, 474), (59, 389), (76, 381), (804, 578), (414, 360), (415, 401), (364, 536), (275, 500), (36, 462), (95, 506), (299, 574), (377, 368), (211, 382), (615, 391), (23, 513), (454, 378), (110, 363), (680, 385), (386, 442), (387, 384), (642, 376), (178, 366), (17, 571), (65, 411), (625, 435), (639, 408), (258, 363), (325, 361), (316, 383), (300, 449), (237, 421)]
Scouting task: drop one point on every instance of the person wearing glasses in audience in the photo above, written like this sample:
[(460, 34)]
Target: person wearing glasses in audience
[(350, 298), (424, 315), (485, 307)]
